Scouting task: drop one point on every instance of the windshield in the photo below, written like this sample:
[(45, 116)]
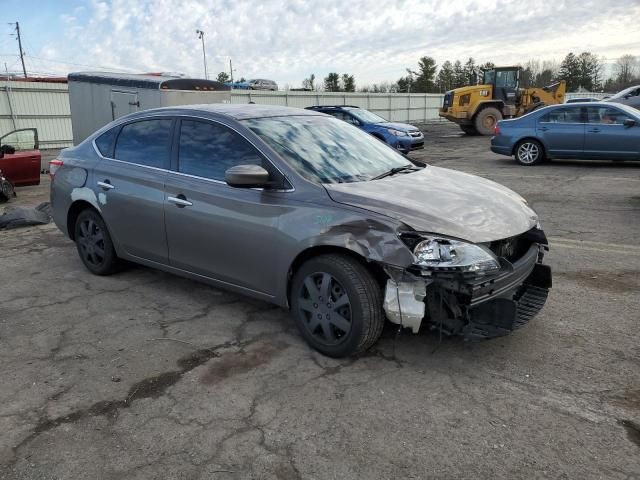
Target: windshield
[(489, 77), (365, 116), (326, 150), (626, 91)]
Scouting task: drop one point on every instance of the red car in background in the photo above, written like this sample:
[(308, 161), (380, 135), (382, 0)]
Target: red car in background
[(20, 157)]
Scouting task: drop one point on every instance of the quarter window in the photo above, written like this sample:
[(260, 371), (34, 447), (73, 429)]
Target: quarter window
[(606, 116), (105, 142), (208, 150), (146, 142)]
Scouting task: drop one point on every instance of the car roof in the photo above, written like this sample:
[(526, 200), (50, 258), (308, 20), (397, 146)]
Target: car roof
[(234, 111)]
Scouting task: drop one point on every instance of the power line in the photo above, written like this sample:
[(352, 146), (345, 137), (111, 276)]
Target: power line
[(62, 62)]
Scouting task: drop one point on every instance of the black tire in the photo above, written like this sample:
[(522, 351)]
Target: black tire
[(6, 191), (94, 244), (486, 120), (469, 129), (338, 327), (529, 152)]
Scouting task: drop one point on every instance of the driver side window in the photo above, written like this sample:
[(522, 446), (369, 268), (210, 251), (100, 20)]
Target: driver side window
[(208, 150)]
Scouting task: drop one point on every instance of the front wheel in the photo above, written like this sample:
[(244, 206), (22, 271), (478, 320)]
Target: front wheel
[(486, 120), (337, 305), (529, 152), (94, 244)]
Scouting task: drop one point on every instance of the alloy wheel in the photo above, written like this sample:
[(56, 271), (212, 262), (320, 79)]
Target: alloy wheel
[(325, 308), (528, 152), (91, 241)]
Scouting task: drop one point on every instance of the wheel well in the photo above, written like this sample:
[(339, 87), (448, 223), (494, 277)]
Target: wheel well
[(75, 210), (379, 136), (484, 105), (517, 144), (376, 269)]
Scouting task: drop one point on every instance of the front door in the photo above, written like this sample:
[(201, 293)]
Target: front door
[(130, 188), (562, 132), (225, 233), (608, 138)]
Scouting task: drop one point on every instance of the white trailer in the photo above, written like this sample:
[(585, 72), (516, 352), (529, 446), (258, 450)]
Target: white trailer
[(97, 98)]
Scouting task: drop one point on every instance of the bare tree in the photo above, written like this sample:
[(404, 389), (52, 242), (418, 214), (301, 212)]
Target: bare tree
[(625, 69)]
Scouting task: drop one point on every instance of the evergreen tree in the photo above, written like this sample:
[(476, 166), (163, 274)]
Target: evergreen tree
[(446, 77), (458, 75), (332, 82), (348, 83)]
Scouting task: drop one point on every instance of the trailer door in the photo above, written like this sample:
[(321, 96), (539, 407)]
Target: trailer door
[(123, 103)]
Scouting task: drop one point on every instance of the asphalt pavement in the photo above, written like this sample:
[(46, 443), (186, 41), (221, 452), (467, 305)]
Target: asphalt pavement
[(147, 375)]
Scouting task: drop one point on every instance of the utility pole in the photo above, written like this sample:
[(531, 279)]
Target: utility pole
[(231, 71), (24, 70), (204, 55)]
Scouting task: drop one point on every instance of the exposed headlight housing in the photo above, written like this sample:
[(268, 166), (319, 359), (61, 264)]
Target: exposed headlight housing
[(447, 254), (397, 133)]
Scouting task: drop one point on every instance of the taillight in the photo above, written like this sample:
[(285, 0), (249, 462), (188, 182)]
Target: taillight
[(54, 165), (496, 130)]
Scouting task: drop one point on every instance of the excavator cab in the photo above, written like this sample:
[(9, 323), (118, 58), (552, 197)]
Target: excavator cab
[(505, 82)]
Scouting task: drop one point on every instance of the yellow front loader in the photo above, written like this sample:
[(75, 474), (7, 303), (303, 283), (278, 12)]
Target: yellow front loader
[(477, 108)]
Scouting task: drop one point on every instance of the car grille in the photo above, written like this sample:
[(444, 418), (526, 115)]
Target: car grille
[(529, 304), (417, 145), (512, 248)]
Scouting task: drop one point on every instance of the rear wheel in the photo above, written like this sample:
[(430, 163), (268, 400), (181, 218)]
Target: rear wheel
[(337, 305), (94, 244), (529, 152), (486, 120), (469, 129)]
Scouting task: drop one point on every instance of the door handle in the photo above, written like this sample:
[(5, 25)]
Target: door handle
[(180, 201), (106, 185), (543, 129), (594, 130)]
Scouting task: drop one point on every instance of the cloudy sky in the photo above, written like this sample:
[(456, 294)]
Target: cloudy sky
[(286, 40)]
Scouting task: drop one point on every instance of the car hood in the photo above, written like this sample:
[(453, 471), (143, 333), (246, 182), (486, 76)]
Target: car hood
[(403, 127), (442, 201)]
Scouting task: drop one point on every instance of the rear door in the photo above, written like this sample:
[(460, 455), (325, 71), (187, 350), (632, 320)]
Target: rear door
[(225, 233), (130, 186), (562, 131), (608, 138)]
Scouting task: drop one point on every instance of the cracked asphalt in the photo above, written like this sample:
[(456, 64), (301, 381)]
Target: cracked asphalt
[(148, 375)]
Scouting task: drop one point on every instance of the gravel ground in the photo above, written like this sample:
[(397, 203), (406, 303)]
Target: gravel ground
[(147, 375)]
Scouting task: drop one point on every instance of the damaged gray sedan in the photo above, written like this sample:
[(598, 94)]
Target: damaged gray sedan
[(300, 209)]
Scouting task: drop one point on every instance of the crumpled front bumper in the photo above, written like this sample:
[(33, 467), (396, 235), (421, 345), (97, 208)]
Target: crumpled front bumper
[(471, 306)]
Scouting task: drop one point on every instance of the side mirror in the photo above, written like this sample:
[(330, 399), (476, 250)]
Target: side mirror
[(629, 122), (247, 176)]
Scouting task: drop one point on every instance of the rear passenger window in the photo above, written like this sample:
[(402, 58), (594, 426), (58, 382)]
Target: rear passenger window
[(145, 143), (105, 143), (563, 115), (208, 150)]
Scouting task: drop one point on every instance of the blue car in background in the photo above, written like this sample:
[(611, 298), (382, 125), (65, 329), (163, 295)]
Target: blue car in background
[(590, 131), (400, 136)]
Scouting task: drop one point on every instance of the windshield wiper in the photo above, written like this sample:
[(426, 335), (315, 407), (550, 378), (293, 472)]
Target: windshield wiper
[(394, 170)]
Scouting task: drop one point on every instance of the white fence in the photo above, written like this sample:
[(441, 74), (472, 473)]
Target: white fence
[(396, 107), (45, 106)]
